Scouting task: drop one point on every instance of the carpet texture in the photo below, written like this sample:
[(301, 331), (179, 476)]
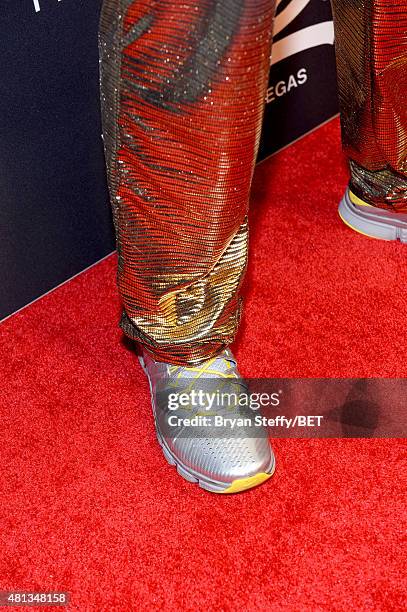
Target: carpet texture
[(89, 504)]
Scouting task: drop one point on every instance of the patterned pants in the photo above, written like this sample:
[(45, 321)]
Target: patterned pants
[(183, 87)]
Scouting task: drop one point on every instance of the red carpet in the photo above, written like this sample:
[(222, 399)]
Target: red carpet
[(90, 506)]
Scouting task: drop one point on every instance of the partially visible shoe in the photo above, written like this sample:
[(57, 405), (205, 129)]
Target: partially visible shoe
[(219, 461), (372, 221)]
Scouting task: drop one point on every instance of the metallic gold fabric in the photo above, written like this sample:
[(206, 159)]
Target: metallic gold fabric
[(371, 51), (183, 88)]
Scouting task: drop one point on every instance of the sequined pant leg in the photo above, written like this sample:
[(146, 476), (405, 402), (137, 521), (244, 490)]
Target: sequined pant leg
[(371, 50), (183, 87)]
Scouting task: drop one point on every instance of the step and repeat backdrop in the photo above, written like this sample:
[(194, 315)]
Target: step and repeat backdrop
[(302, 90), (54, 210)]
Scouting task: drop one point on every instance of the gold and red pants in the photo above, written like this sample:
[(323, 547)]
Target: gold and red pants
[(183, 87)]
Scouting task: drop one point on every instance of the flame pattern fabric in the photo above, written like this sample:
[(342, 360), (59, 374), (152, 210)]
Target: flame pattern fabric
[(182, 90)]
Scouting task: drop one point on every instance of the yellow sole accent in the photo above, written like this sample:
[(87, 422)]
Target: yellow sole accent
[(358, 230), (242, 484), (354, 198)]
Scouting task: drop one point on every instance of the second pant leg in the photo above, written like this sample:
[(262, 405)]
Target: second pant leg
[(183, 87), (371, 51)]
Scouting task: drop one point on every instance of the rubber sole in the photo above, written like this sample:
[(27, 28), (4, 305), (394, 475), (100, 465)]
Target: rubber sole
[(371, 221), (212, 486), (236, 486)]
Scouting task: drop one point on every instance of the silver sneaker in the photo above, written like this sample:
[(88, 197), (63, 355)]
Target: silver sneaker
[(219, 459), (372, 221)]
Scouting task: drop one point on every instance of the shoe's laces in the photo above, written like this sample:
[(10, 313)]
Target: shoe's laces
[(219, 367)]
